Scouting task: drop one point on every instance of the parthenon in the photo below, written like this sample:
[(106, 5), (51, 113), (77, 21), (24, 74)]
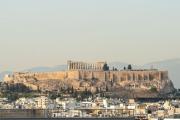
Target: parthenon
[(74, 65)]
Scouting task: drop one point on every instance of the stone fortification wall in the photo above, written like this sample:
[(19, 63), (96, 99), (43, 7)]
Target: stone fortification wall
[(51, 75), (73, 75), (124, 75), (90, 75), (139, 75)]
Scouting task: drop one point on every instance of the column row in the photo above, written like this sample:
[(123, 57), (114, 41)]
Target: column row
[(83, 66)]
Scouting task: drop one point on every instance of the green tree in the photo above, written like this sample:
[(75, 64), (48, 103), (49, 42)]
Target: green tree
[(68, 90), (105, 67), (129, 67), (53, 96), (72, 90), (112, 83), (75, 94), (153, 89), (97, 90), (12, 96), (107, 89)]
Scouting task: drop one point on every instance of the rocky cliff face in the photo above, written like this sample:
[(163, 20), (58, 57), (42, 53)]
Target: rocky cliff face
[(166, 87), (118, 84)]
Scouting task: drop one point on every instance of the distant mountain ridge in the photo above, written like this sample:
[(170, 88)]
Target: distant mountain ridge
[(47, 69), (172, 65)]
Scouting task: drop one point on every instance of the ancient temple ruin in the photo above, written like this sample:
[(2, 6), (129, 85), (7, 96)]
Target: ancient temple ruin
[(75, 65)]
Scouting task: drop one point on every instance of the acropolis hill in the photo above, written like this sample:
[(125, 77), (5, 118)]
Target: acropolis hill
[(81, 76)]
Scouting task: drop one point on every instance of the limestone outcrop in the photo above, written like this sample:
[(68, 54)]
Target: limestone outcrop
[(125, 83)]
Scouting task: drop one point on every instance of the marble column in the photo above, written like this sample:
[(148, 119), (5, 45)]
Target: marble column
[(78, 66), (84, 66), (69, 66), (73, 66), (87, 66)]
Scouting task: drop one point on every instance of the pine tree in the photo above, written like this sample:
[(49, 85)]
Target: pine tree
[(72, 90), (107, 89), (129, 67)]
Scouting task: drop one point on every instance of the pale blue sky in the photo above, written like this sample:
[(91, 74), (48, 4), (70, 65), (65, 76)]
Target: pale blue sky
[(49, 32)]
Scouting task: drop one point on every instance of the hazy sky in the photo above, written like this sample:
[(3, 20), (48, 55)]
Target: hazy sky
[(49, 32)]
